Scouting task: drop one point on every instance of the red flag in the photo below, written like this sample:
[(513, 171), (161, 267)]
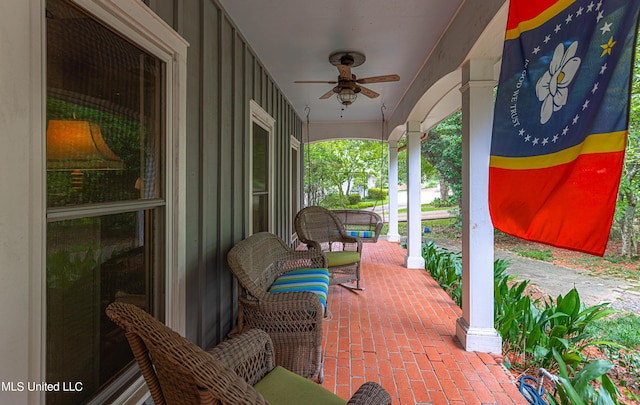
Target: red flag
[(560, 121)]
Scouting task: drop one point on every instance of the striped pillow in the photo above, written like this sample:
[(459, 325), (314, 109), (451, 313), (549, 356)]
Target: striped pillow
[(313, 280), (361, 234)]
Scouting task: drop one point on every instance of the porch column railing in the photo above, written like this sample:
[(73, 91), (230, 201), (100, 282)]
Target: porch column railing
[(475, 328), (392, 233), (413, 259)]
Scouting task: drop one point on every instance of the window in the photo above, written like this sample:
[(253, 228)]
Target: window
[(294, 183), (261, 173), (107, 206)]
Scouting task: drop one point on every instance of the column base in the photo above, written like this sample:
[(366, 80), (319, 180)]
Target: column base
[(414, 262), (484, 340), (393, 237)]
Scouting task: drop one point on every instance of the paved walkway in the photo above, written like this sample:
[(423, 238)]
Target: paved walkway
[(554, 280)]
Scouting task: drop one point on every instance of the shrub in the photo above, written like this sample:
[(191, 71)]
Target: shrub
[(334, 201), (377, 194), (354, 199), (439, 203)]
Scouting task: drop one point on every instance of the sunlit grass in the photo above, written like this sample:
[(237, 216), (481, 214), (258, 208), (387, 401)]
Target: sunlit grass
[(440, 227), (538, 254)]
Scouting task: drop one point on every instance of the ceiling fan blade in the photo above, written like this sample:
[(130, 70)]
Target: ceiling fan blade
[(316, 81), (327, 95), (368, 92), (379, 79), (345, 71)]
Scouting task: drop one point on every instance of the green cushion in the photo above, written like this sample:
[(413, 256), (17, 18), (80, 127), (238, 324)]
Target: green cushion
[(281, 386), (342, 258), (313, 280)]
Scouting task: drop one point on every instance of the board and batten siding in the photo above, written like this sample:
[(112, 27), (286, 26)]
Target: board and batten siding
[(223, 75)]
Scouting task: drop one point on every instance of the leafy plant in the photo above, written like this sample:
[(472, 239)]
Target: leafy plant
[(624, 358), (562, 327), (446, 268), (579, 390), (516, 315), (540, 333)]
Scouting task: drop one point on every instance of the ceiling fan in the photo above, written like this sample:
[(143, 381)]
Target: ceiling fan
[(348, 86)]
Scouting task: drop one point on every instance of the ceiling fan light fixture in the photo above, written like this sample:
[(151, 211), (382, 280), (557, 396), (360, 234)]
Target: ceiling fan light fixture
[(346, 96)]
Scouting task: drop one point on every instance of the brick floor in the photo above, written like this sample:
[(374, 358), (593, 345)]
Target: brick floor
[(400, 332)]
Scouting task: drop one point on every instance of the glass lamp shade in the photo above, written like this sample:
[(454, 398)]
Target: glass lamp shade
[(78, 145), (346, 96)]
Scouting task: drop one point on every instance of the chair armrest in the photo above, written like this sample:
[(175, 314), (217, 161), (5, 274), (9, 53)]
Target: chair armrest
[(348, 240), (249, 354), (313, 245), (302, 259), (299, 306), (370, 393)]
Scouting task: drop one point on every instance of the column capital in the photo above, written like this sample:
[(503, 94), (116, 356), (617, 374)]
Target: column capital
[(413, 126)]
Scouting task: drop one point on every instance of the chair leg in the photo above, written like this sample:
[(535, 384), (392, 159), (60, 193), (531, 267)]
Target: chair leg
[(352, 288)]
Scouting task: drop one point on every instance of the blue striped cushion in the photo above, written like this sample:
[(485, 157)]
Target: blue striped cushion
[(313, 280), (361, 234)]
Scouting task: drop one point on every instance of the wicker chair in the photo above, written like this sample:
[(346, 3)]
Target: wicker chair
[(237, 371), (322, 230), (292, 320)]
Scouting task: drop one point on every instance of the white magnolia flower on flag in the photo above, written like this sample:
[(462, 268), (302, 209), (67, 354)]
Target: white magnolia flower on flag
[(552, 87)]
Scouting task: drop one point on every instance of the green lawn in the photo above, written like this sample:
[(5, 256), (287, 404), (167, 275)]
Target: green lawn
[(434, 224), (427, 208)]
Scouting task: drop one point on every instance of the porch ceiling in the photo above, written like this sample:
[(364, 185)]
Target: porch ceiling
[(294, 39)]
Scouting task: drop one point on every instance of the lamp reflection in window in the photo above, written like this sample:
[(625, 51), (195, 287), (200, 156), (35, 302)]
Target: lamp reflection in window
[(75, 146)]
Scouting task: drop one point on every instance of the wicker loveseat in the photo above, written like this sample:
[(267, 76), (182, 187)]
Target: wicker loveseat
[(238, 371), (363, 224), (322, 230), (264, 265)]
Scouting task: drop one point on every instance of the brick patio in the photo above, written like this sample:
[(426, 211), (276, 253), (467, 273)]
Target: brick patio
[(400, 332)]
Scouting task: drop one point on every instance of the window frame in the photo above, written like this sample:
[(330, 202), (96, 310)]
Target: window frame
[(260, 117), (136, 22), (294, 178)]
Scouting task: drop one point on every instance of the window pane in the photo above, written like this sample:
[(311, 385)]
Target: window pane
[(92, 262), (260, 159), (295, 187), (103, 113), (261, 213)]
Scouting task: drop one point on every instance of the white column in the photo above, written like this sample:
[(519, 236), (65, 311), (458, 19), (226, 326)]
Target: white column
[(392, 233), (475, 329), (413, 259)]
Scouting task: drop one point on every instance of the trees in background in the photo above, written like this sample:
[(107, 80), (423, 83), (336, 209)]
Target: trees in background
[(336, 169), (443, 150), (627, 205)]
